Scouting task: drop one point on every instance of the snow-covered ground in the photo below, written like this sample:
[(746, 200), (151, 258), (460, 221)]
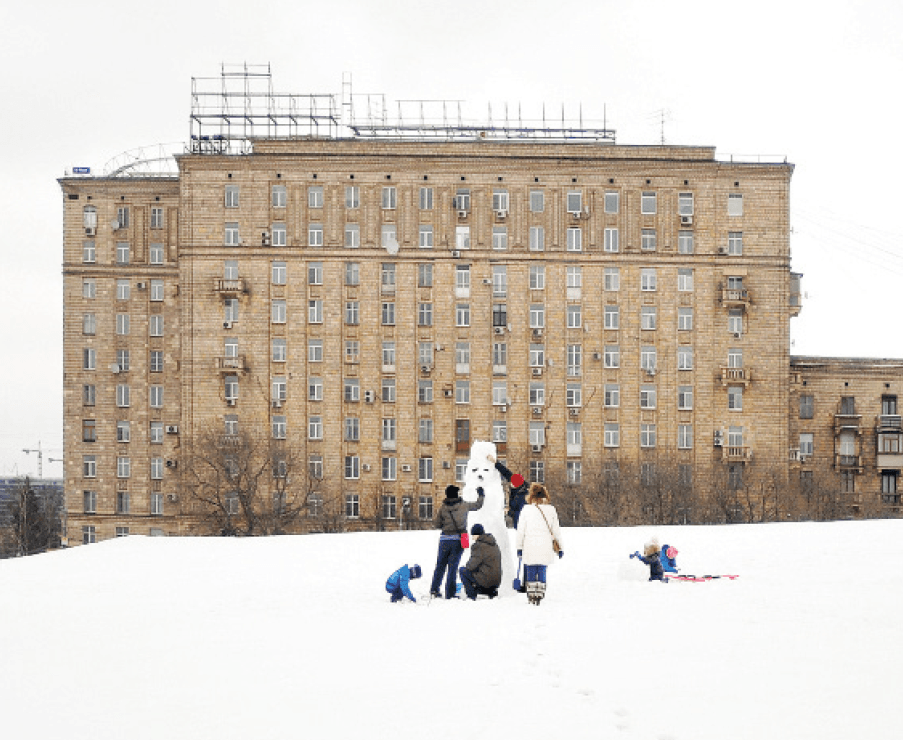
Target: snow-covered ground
[(295, 637)]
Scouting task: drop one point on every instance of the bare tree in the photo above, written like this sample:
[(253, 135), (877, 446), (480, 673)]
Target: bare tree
[(34, 520), (245, 483)]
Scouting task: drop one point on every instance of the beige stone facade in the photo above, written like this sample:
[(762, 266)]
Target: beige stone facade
[(381, 305)]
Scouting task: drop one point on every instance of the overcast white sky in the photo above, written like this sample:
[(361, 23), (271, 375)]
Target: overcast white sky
[(815, 82)]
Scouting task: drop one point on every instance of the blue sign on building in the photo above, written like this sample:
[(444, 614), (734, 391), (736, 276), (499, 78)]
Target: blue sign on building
[(81, 170)]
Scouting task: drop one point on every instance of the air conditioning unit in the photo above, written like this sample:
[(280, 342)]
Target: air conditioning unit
[(722, 250), (446, 465), (503, 408), (90, 231), (456, 253), (718, 438), (277, 404), (405, 468), (447, 392), (499, 329), (737, 335), (230, 401), (369, 396), (537, 410), (462, 213), (686, 220), (487, 281), (366, 468), (537, 332), (501, 214), (650, 371), (172, 497), (574, 412), (172, 429), (597, 355), (114, 369), (227, 325), (537, 448), (425, 369), (172, 463), (141, 285), (265, 239), (537, 371), (114, 225)]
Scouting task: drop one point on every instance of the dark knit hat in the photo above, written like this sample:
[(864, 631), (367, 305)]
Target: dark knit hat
[(451, 492), (416, 572), (477, 529)]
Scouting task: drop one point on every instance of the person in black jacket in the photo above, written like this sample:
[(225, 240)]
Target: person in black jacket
[(483, 572), (652, 557), (452, 521), (519, 489)]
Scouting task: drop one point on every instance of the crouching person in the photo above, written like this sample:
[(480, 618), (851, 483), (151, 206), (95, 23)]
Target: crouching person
[(483, 572), (398, 583)]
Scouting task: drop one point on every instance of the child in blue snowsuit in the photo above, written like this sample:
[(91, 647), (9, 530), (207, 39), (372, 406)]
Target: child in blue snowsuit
[(668, 556), (397, 585)]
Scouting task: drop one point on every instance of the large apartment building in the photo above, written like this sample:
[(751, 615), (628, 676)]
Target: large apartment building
[(359, 310)]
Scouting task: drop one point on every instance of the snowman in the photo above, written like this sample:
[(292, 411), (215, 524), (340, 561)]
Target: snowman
[(481, 473)]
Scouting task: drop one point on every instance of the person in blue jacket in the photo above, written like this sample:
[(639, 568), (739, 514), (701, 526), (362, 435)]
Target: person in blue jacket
[(668, 556), (651, 557), (397, 585)]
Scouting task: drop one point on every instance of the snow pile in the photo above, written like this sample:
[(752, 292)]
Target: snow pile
[(295, 637)]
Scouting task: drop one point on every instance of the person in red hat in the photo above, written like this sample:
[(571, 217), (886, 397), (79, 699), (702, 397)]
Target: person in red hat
[(518, 495)]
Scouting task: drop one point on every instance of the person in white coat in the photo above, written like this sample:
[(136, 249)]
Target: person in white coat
[(538, 540)]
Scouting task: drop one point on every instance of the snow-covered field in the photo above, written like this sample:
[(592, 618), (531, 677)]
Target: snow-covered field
[(295, 637)]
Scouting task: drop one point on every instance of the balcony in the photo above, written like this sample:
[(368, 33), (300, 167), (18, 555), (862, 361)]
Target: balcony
[(231, 364), (848, 462), (889, 423), (230, 288), (735, 297), (844, 422), (735, 376), (735, 453)]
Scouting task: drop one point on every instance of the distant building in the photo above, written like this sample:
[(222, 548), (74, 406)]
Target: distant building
[(373, 305)]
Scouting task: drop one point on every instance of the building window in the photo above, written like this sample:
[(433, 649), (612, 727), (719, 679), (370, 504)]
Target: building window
[(89, 324), (735, 397), (612, 398), (575, 201), (315, 235), (89, 252), (574, 239), (685, 204), (424, 391), (685, 243), (426, 237), (648, 279), (315, 311), (890, 493), (537, 238), (735, 243), (123, 467), (807, 443), (612, 201), (122, 396), (315, 196), (156, 292), (647, 396), (735, 321), (537, 277), (156, 468), (537, 355), (735, 204), (89, 536), (155, 324), (537, 201), (648, 240), (500, 237), (612, 435), (156, 432), (462, 237), (89, 217), (123, 253), (462, 391), (685, 319), (648, 359), (232, 199), (612, 317), (573, 395), (156, 254), (684, 358), (574, 360), (352, 236), (425, 431), (648, 317), (278, 312), (389, 198), (685, 280), (388, 313), (462, 314), (89, 395), (611, 240), (612, 356), (537, 316), (426, 199), (279, 196), (156, 396), (123, 290), (89, 501), (388, 236), (279, 234), (425, 314), (278, 273), (352, 196), (279, 427), (231, 237), (315, 427), (89, 430), (574, 316), (352, 390), (648, 203), (388, 390), (647, 435)]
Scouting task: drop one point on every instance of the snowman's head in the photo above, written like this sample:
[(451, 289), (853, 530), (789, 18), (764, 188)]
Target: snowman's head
[(480, 473)]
